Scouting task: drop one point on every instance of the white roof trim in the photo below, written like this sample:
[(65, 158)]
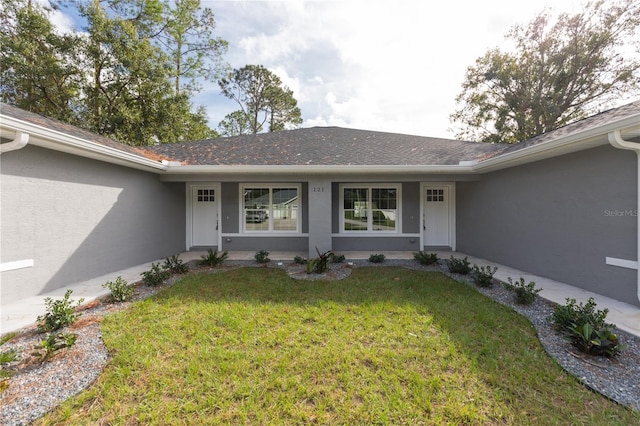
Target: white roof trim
[(59, 141)]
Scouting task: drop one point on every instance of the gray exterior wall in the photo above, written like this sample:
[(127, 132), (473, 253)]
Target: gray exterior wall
[(557, 218), (80, 219)]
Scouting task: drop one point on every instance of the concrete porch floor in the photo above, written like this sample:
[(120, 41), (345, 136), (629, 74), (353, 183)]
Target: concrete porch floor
[(22, 313)]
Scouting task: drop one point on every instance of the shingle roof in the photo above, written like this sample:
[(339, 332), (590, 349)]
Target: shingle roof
[(68, 129), (592, 122), (325, 146)]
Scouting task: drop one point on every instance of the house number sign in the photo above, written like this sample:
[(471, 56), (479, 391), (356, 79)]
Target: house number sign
[(318, 189)]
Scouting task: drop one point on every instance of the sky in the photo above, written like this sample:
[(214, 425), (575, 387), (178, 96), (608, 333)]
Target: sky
[(394, 65)]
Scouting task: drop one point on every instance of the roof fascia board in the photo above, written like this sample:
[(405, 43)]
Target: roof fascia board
[(317, 169), (63, 142), (596, 136)]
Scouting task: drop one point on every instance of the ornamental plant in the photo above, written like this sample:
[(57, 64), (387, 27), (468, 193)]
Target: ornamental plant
[(425, 258), (524, 294), (458, 266), (377, 258), (321, 263), (121, 291), (176, 265), (262, 257), (59, 313), (214, 258), (483, 276), (155, 276)]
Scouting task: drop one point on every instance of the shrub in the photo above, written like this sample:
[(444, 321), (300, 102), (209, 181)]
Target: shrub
[(121, 291), (175, 265), (524, 294), (319, 264), (377, 258), (459, 266), (425, 258), (338, 258), (155, 276), (601, 342), (567, 316), (483, 276), (56, 341), (262, 256), (60, 313), (214, 258), (300, 260)]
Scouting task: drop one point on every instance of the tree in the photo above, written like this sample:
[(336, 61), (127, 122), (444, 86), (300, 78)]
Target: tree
[(38, 71), (561, 71), (235, 124), (188, 40), (262, 98), (131, 96)]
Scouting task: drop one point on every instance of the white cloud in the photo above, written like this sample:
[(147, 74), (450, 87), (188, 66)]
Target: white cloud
[(379, 65)]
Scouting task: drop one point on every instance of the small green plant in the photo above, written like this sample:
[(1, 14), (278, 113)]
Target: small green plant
[(8, 356), (425, 258), (155, 276), (56, 341), (176, 265), (376, 258), (262, 257), (4, 339), (338, 258), (600, 342), (483, 276), (565, 317), (300, 260), (319, 264), (524, 294), (60, 313), (121, 291), (458, 266), (214, 258)]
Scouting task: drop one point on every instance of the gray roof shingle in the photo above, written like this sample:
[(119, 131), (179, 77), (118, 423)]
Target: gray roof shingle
[(326, 146)]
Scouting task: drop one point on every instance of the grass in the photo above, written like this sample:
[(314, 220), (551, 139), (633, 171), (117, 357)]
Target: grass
[(385, 346)]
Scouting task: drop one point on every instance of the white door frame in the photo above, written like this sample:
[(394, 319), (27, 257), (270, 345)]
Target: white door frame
[(190, 186), (452, 210)]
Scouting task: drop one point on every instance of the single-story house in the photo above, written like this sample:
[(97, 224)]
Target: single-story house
[(563, 205)]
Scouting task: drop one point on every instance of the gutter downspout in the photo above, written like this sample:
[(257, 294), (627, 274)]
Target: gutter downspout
[(615, 139), (18, 142)]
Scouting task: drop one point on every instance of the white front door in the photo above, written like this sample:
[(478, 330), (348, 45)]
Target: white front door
[(204, 215), (437, 218)]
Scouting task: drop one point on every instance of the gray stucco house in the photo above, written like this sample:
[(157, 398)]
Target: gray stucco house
[(562, 205)]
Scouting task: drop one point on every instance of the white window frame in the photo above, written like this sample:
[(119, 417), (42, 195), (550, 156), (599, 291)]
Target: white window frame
[(369, 187), (270, 214)]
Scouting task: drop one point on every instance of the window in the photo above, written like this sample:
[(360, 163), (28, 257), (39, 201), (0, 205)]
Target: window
[(370, 208), (435, 195), (271, 208), (206, 195)]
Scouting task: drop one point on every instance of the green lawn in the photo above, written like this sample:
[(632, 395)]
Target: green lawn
[(385, 346)]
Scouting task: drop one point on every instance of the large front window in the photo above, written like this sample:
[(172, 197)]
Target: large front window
[(370, 208), (271, 208)]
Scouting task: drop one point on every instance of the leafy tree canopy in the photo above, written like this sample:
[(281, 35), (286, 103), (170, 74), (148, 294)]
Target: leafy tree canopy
[(129, 76), (263, 100), (563, 69)]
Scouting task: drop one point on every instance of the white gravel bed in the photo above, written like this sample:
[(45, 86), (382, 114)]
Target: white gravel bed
[(39, 387)]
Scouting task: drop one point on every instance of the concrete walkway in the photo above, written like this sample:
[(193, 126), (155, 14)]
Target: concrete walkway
[(23, 313)]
